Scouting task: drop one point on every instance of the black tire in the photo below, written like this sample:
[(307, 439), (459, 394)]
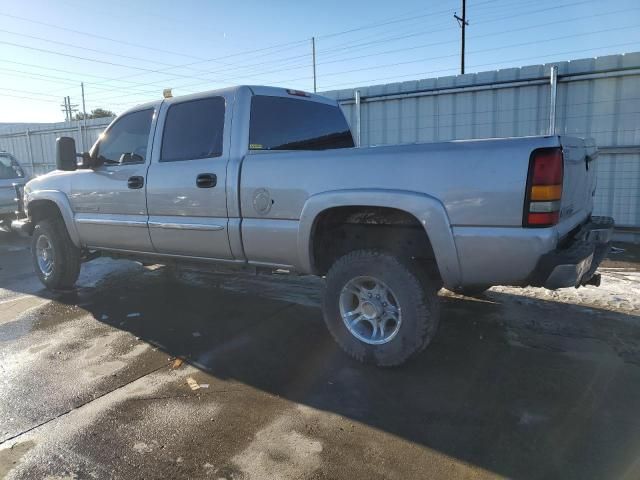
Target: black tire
[(416, 295), (66, 256)]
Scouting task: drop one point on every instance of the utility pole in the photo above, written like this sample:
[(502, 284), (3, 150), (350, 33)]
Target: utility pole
[(68, 108), (462, 22), (65, 109), (84, 118), (84, 108), (313, 53)]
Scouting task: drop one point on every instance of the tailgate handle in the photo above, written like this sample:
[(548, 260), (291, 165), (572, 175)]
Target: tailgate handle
[(206, 180)]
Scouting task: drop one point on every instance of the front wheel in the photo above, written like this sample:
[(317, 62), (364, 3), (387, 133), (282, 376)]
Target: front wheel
[(379, 308), (56, 259)]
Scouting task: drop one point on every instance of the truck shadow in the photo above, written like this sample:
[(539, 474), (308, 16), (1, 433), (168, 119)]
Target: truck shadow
[(531, 389)]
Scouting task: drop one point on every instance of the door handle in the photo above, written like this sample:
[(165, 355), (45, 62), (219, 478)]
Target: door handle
[(135, 182), (206, 180)]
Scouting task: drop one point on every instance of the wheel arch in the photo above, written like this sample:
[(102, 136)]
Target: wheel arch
[(44, 203), (428, 212)]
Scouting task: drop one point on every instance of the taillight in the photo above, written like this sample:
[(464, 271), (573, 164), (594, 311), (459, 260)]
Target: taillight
[(544, 188)]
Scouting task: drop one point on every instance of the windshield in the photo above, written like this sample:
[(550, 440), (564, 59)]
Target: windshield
[(9, 168)]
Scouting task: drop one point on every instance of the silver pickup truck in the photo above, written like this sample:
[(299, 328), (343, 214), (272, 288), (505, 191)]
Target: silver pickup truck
[(268, 177)]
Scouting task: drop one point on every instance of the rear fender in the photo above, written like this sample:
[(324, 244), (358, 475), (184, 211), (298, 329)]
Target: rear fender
[(426, 209)]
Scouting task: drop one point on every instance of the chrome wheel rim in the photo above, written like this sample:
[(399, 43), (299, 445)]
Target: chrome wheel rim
[(45, 255), (370, 310)]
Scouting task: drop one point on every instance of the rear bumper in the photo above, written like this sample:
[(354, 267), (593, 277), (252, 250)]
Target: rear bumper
[(576, 263)]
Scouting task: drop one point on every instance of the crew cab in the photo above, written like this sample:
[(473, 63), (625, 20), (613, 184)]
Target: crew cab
[(269, 178)]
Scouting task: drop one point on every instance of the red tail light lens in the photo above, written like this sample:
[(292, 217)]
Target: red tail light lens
[(543, 219), (547, 167), (544, 188)]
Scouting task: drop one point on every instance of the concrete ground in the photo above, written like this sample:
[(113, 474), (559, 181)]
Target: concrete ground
[(517, 383)]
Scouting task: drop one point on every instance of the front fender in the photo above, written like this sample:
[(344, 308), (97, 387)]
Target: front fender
[(62, 202), (429, 211)]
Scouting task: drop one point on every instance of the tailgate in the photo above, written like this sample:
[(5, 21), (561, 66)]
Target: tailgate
[(579, 181)]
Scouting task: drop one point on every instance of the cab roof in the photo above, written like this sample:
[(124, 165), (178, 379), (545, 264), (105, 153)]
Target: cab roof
[(252, 89)]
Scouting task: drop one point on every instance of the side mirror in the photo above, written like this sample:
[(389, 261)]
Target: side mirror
[(85, 160), (66, 154), (131, 158)]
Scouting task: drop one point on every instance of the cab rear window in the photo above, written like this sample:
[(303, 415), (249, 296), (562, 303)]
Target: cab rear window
[(280, 123)]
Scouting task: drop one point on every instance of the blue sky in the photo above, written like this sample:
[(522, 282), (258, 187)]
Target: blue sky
[(126, 52)]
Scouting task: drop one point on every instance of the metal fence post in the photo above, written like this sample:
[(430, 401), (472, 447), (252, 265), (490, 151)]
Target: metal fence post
[(553, 99), (30, 153), (81, 136), (357, 125)]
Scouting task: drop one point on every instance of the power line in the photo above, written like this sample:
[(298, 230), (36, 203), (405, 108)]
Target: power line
[(375, 67), (53, 52), (170, 67), (101, 37), (491, 20), (108, 80), (26, 91), (351, 45), (84, 48), (23, 97), (248, 51), (389, 22), (298, 66), (54, 79), (502, 32), (211, 80), (418, 74), (502, 47)]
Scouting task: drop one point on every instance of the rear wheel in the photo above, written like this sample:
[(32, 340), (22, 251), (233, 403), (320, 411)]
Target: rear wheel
[(379, 308), (56, 259)]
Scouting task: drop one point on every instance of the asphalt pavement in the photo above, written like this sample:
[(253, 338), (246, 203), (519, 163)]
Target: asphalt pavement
[(148, 372)]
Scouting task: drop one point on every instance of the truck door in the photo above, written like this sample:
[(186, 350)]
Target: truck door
[(109, 201), (186, 189)]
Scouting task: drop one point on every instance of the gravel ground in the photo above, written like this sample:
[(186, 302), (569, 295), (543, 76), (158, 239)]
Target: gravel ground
[(518, 383)]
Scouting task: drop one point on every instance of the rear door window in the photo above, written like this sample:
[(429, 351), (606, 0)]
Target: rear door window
[(193, 130), (279, 123)]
